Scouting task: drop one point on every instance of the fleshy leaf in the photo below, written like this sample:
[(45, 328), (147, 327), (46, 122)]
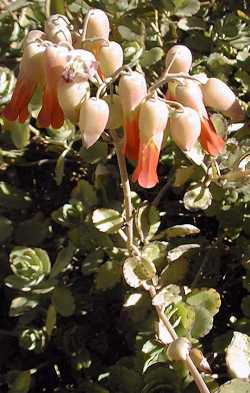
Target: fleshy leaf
[(108, 275), (182, 230), (63, 301), (238, 356), (168, 295), (197, 198), (107, 220)]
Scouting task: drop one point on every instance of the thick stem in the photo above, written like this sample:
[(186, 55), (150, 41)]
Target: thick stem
[(189, 363), (126, 189)]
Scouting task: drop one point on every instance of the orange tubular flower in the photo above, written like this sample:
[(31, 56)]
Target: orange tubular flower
[(55, 60), (30, 75), (132, 89), (153, 118), (190, 95)]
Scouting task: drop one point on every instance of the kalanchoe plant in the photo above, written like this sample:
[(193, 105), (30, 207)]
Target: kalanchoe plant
[(116, 261)]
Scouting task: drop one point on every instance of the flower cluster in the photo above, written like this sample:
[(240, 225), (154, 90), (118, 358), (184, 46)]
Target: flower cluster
[(64, 63)]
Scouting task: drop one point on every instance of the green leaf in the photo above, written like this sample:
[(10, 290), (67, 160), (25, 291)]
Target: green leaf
[(125, 380), (21, 382), (235, 385), (95, 153), (63, 259), (57, 7), (205, 303), (85, 192), (107, 220), (137, 270), (167, 295), (197, 198), (175, 272), (147, 222), (50, 320), (238, 356), (92, 262), (108, 275), (20, 134), (245, 306), (14, 6), (59, 170), (203, 322), (151, 57), (127, 34), (11, 198), (6, 229), (208, 298), (196, 154), (182, 250), (156, 252), (63, 301), (186, 316), (20, 305), (70, 214), (182, 230), (186, 7), (32, 231)]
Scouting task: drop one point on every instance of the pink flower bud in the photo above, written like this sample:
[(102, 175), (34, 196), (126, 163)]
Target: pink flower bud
[(70, 96), (132, 89), (185, 128), (179, 59), (221, 98), (98, 24), (94, 114), (110, 58)]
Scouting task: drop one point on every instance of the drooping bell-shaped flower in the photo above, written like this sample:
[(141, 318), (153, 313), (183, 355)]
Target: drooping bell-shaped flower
[(218, 96), (153, 118), (110, 58), (31, 74), (94, 114), (59, 62), (178, 59), (132, 89), (57, 29), (71, 93), (189, 94), (185, 128), (55, 60), (97, 24)]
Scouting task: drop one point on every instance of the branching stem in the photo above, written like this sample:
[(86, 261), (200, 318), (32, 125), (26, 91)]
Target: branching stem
[(126, 189), (189, 363)]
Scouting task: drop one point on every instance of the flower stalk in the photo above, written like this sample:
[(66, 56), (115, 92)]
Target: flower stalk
[(134, 250)]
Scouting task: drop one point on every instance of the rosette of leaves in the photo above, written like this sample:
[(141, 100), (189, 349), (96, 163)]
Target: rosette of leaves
[(30, 266), (32, 339), (70, 214)]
